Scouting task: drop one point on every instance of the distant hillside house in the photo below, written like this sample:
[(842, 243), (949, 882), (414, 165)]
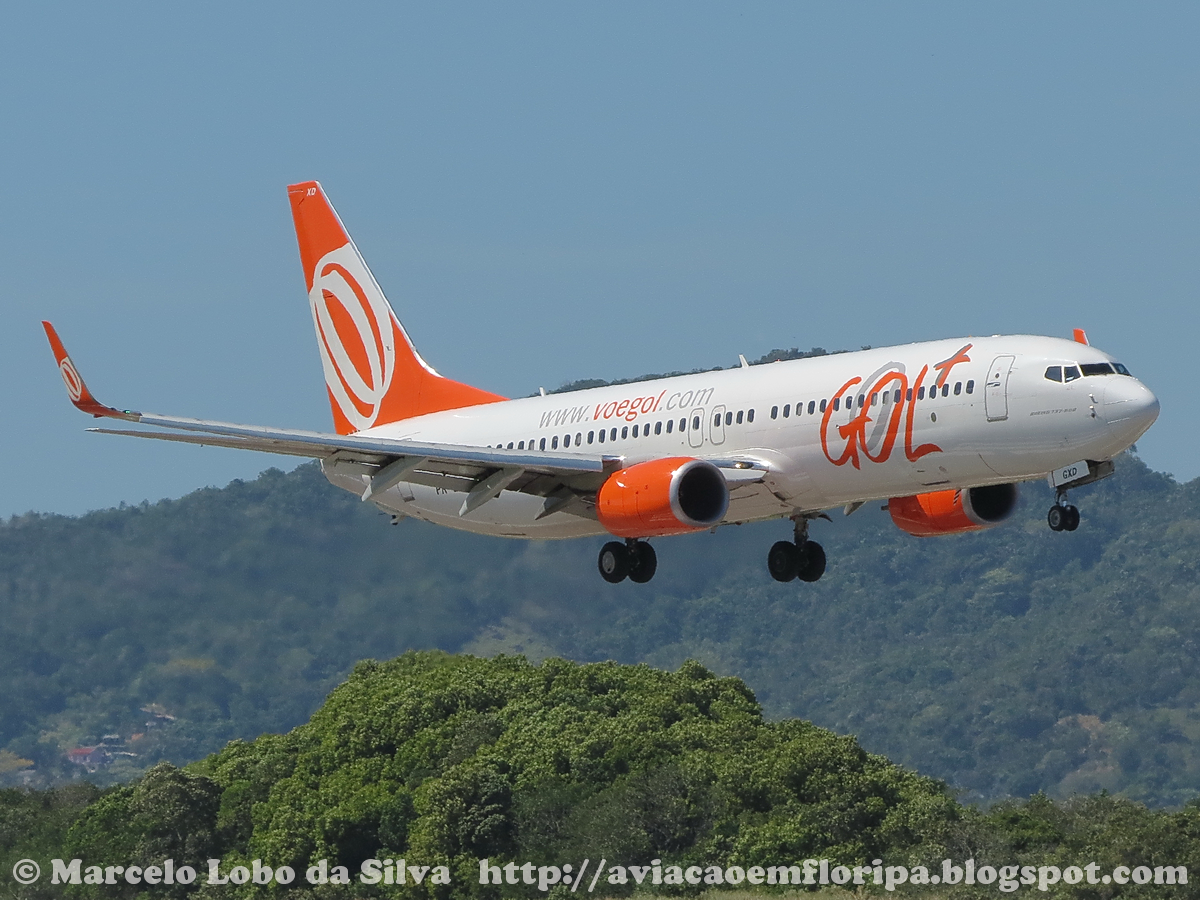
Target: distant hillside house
[(91, 758), (160, 716)]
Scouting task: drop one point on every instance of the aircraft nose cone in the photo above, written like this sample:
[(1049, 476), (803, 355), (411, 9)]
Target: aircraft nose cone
[(1130, 406)]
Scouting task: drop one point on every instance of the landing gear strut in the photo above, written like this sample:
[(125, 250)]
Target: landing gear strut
[(635, 560), (797, 558), (1062, 516)]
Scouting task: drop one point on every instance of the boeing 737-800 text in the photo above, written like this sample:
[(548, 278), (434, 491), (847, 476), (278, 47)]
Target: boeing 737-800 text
[(943, 431)]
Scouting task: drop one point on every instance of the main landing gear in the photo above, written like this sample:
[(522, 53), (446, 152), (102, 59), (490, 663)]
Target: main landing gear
[(635, 560), (1062, 516), (797, 558)]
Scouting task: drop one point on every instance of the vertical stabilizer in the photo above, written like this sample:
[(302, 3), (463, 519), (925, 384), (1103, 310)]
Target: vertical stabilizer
[(372, 371)]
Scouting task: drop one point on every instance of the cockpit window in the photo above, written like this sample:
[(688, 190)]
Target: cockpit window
[(1121, 370), (1096, 369), (1070, 373), (1054, 373)]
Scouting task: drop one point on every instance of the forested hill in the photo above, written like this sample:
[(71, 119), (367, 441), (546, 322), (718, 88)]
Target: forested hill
[(447, 761), (1004, 662)]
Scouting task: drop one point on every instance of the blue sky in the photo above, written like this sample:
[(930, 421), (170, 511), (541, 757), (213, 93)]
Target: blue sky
[(557, 191)]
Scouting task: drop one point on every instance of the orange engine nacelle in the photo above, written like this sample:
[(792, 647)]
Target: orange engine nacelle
[(665, 496), (953, 512)]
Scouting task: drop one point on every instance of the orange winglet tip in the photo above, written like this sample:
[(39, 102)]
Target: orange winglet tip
[(1080, 336), (77, 390)]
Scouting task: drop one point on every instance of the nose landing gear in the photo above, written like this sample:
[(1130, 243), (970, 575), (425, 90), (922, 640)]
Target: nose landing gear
[(798, 558), (635, 560), (1062, 516)]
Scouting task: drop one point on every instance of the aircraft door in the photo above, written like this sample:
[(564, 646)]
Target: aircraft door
[(717, 433), (995, 391), (696, 427)]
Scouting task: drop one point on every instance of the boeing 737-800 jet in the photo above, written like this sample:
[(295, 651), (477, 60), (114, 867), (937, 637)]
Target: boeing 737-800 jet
[(943, 431)]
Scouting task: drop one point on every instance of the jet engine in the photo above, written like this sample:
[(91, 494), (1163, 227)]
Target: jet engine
[(676, 495), (954, 512)]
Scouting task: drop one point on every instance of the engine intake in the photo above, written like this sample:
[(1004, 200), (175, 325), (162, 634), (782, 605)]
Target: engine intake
[(676, 495), (954, 511)]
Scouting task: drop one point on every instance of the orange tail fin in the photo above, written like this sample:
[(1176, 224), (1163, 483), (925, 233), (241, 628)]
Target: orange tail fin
[(372, 371)]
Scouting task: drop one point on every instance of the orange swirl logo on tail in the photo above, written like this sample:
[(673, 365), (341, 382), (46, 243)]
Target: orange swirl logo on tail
[(355, 335), (71, 379)]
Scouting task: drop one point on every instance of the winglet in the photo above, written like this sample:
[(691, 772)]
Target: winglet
[(76, 389), (1080, 336)]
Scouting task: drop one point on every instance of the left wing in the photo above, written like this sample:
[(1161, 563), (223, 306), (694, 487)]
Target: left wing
[(479, 472)]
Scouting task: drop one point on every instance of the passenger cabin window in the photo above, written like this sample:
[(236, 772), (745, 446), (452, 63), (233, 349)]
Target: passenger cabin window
[(542, 444), (750, 416), (567, 441), (739, 417), (921, 393), (554, 443), (1054, 373), (811, 404), (635, 431), (578, 438), (970, 387), (683, 425), (612, 435), (591, 437), (957, 388), (520, 445), (624, 432), (775, 412), (823, 405), (602, 435), (728, 418), (1070, 373), (908, 396), (695, 423), (836, 403), (658, 427), (874, 398), (945, 390), (670, 424), (787, 410)]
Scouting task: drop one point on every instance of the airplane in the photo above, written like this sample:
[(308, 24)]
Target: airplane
[(943, 431)]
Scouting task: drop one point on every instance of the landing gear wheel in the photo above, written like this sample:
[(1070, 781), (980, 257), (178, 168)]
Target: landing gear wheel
[(1072, 518), (614, 562), (643, 562), (1057, 518), (810, 561), (783, 561)]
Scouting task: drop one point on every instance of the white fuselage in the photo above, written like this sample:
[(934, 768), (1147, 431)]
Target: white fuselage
[(996, 418)]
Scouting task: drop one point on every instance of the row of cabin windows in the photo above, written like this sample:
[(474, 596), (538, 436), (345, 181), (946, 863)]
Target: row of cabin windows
[(1053, 373), (747, 416), (729, 417), (1070, 373), (611, 434), (877, 398)]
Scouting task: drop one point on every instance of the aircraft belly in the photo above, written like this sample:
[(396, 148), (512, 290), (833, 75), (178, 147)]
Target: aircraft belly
[(509, 515), (750, 502)]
